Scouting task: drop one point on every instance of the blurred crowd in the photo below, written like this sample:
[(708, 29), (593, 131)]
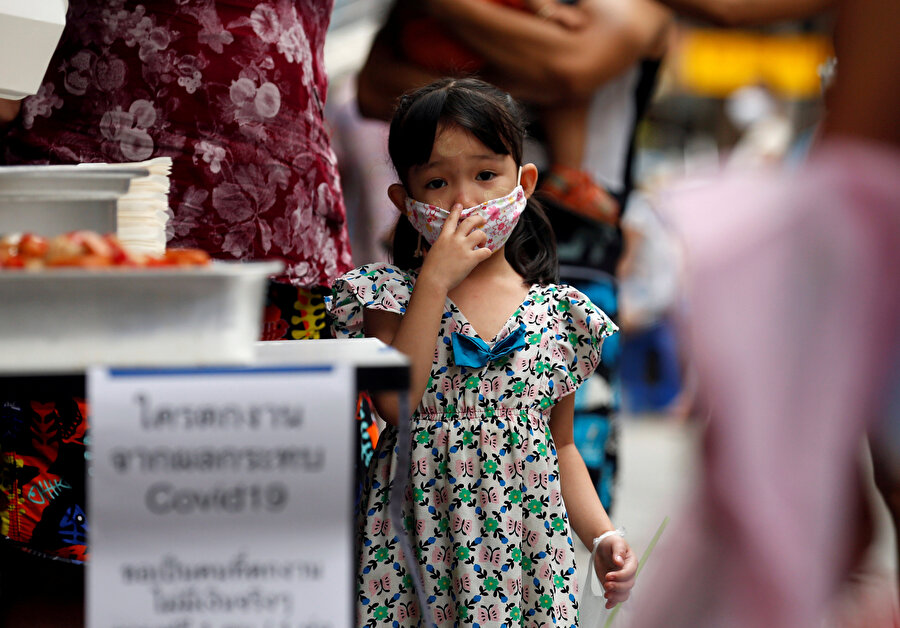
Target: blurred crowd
[(721, 176)]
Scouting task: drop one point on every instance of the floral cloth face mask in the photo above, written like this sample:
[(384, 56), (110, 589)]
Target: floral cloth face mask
[(500, 214)]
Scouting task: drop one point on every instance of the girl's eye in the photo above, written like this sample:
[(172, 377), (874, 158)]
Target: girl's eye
[(435, 184), (485, 175)]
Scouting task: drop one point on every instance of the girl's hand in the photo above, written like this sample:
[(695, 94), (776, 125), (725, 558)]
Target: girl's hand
[(458, 249), (616, 567)]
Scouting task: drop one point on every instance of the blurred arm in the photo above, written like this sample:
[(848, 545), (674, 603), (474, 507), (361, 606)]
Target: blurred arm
[(9, 109), (864, 101), (542, 61)]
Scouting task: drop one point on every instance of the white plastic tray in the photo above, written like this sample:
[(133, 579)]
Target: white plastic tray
[(64, 320)]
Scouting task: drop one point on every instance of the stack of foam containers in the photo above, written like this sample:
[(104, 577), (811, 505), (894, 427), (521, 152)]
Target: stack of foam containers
[(143, 211)]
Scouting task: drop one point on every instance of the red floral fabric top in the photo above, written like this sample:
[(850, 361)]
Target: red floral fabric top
[(233, 91)]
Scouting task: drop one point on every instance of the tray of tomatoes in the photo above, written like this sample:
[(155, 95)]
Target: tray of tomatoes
[(80, 299)]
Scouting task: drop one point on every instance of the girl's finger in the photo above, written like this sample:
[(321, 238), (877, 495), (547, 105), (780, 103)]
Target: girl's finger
[(618, 597), (477, 238), (471, 223), (452, 220), (619, 553), (629, 569), (482, 253)]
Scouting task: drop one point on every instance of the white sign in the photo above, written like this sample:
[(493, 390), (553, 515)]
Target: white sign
[(221, 498)]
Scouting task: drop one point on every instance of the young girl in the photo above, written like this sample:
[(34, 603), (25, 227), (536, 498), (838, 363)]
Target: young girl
[(496, 351)]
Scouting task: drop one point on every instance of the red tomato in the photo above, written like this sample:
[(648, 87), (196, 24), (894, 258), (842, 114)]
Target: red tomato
[(91, 242), (33, 246), (12, 261)]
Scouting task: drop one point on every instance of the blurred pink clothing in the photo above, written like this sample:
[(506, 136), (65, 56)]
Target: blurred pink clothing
[(793, 329)]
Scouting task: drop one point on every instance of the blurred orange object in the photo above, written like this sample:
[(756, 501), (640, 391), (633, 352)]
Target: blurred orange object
[(185, 257), (86, 249), (577, 191)]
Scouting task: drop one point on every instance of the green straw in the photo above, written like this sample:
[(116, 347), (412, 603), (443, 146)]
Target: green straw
[(640, 566)]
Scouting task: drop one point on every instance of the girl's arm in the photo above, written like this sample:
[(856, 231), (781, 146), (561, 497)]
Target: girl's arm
[(413, 334), (447, 263), (616, 563)]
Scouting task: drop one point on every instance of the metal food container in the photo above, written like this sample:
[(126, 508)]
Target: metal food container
[(50, 200), (65, 319)]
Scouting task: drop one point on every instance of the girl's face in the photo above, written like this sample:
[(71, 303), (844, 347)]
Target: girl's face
[(462, 170)]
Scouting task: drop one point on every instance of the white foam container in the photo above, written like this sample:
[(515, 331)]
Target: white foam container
[(65, 320), (29, 33)]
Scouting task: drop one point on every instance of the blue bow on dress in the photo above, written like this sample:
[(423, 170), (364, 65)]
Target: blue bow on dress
[(475, 352)]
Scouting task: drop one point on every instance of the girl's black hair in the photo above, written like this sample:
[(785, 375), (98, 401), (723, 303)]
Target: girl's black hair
[(496, 120)]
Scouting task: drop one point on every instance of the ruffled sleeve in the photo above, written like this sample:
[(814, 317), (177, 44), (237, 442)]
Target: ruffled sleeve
[(581, 329), (375, 286)]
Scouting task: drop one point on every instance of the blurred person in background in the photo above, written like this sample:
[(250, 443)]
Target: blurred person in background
[(648, 293), (602, 56), (794, 330)]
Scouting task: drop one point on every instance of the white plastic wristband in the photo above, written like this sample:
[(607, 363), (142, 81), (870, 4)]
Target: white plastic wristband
[(599, 539), (591, 570)]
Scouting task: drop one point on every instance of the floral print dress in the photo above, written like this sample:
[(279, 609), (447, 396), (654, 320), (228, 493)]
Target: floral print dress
[(484, 507), (233, 91)]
